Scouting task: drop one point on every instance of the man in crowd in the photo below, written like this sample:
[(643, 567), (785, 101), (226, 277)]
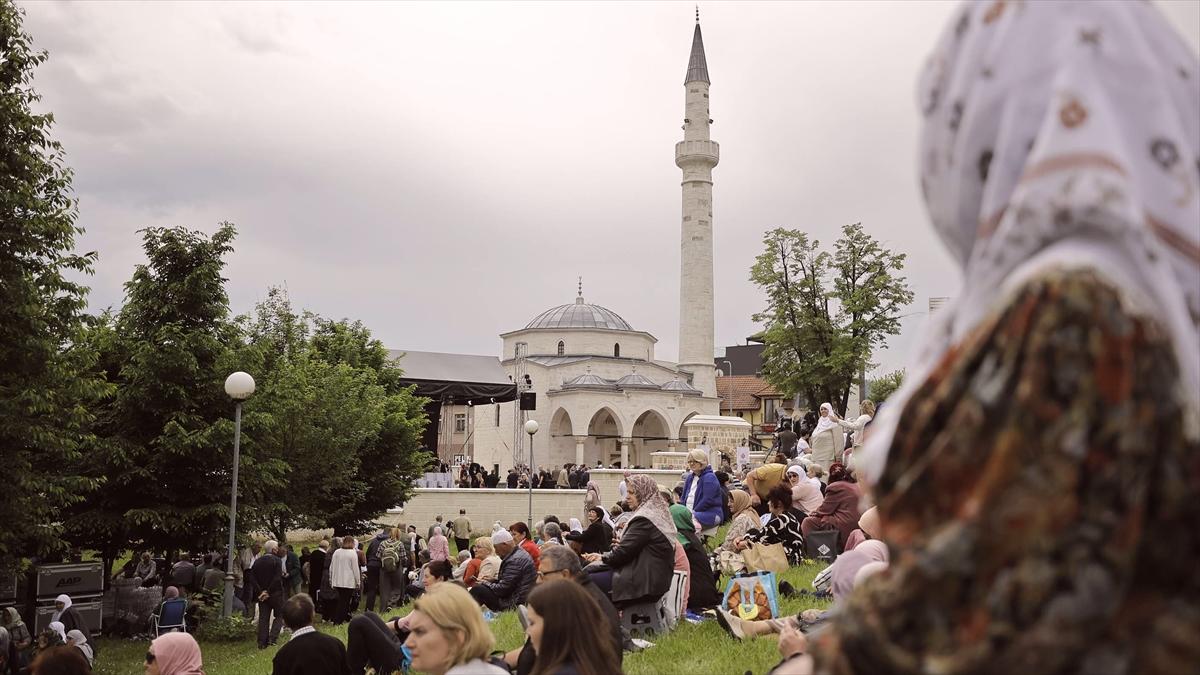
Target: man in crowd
[(308, 652), (267, 587), (512, 479), (564, 480), (787, 441), (246, 560), (183, 573), (517, 574), (374, 570), (462, 531), (560, 562), (760, 481), (316, 568), (437, 522)]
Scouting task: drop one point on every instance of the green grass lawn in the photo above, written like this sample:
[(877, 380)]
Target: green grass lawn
[(702, 648)]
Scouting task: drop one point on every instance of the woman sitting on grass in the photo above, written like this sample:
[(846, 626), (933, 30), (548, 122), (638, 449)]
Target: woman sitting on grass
[(840, 511), (744, 519), (448, 635), (643, 562), (783, 528)]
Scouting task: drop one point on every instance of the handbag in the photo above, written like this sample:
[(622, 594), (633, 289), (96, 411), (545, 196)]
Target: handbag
[(821, 545), (730, 563), (765, 558)]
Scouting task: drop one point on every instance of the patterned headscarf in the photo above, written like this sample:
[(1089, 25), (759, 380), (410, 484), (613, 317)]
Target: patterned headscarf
[(1061, 135), (651, 505)]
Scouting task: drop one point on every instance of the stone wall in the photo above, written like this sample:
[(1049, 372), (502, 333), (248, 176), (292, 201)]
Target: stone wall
[(485, 506), (723, 434), (608, 480)]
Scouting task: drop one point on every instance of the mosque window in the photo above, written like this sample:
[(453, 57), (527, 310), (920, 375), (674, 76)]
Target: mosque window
[(617, 349), (562, 348)]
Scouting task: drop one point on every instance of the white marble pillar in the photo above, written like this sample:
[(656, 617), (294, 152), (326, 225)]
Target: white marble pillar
[(625, 442), (579, 441)]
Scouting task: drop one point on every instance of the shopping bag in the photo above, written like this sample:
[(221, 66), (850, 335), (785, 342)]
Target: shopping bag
[(753, 596), (821, 545), (765, 557)]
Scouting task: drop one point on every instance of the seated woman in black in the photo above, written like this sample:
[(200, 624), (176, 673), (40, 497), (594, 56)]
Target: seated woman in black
[(783, 528), (595, 539), (643, 562)]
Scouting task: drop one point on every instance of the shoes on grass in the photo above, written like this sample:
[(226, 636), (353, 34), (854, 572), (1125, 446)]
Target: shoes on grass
[(731, 624)]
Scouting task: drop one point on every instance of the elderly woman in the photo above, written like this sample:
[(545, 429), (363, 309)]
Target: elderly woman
[(1036, 477), (20, 640), (702, 492), (643, 562), (485, 566), (69, 616), (76, 639), (841, 509), (827, 440), (553, 534), (592, 498), (782, 528), (439, 545), (744, 519)]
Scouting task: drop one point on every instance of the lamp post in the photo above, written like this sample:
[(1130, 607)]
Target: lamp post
[(730, 373), (239, 386), (531, 428)]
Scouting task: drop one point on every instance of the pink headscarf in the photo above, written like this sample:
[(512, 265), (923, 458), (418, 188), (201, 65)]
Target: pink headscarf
[(846, 567), (177, 654)]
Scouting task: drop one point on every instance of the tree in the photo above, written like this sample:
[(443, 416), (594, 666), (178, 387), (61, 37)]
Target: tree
[(882, 387), (826, 312), (47, 389), (331, 407), (167, 432)]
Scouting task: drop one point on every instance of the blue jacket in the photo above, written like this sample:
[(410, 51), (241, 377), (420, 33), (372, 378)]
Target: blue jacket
[(708, 498)]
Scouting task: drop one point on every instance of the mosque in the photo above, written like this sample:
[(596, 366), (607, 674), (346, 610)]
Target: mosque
[(601, 394)]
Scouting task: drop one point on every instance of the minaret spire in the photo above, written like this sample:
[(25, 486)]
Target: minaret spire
[(696, 155)]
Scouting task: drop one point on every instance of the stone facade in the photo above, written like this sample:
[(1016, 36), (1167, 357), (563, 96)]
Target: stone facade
[(485, 506), (721, 434)]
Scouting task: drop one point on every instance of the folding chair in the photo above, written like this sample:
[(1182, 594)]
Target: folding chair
[(170, 617)]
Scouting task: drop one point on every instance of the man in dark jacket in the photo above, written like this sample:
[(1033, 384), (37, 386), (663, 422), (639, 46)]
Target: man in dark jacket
[(316, 568), (308, 652), (266, 580), (374, 567), (517, 575)]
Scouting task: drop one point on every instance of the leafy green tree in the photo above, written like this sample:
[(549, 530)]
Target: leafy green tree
[(330, 406), (167, 432), (826, 311), (880, 388), (47, 388)]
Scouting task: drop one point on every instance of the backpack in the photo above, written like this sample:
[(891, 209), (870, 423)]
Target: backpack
[(390, 555)]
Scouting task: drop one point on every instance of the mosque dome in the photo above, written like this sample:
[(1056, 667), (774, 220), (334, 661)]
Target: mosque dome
[(678, 385), (588, 381), (635, 381), (579, 315)]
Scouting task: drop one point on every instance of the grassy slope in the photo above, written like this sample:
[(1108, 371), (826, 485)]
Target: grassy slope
[(703, 648)]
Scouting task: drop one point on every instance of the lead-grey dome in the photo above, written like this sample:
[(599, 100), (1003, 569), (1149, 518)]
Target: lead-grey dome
[(579, 315)]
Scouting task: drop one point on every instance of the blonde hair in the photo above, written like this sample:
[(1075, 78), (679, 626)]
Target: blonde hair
[(454, 611), (698, 455), (486, 544), (868, 406), (395, 533)]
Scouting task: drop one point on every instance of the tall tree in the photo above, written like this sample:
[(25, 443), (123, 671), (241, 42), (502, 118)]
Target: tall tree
[(46, 386), (826, 312), (167, 431), (882, 387), (330, 406)]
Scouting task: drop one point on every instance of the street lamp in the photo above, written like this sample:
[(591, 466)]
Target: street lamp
[(730, 372), (531, 428), (239, 386)]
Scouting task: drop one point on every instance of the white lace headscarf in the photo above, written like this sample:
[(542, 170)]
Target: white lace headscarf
[(1061, 135)]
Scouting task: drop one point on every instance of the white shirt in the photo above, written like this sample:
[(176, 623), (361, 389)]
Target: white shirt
[(691, 496), (343, 569)]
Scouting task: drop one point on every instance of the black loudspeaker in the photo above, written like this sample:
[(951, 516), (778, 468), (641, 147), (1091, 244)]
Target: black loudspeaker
[(528, 400)]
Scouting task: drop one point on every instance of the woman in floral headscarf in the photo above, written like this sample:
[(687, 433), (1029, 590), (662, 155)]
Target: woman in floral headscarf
[(1036, 478), (643, 561)]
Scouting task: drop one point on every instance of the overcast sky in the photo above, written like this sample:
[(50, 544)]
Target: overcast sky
[(445, 171)]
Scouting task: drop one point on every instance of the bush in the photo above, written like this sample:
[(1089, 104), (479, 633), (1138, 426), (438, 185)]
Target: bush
[(234, 629)]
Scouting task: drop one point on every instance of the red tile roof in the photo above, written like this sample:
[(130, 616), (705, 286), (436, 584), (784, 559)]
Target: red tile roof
[(744, 392)]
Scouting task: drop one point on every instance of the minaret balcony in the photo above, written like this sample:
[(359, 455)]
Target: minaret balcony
[(690, 151)]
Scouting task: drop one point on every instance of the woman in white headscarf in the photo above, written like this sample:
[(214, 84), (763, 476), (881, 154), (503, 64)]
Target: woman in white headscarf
[(76, 639), (1036, 477), (827, 440), (69, 616)]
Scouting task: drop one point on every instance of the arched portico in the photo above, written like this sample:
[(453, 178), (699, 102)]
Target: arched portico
[(605, 429), (562, 443), (651, 433)]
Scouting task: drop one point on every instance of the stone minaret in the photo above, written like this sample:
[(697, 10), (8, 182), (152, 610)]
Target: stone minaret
[(697, 155)]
